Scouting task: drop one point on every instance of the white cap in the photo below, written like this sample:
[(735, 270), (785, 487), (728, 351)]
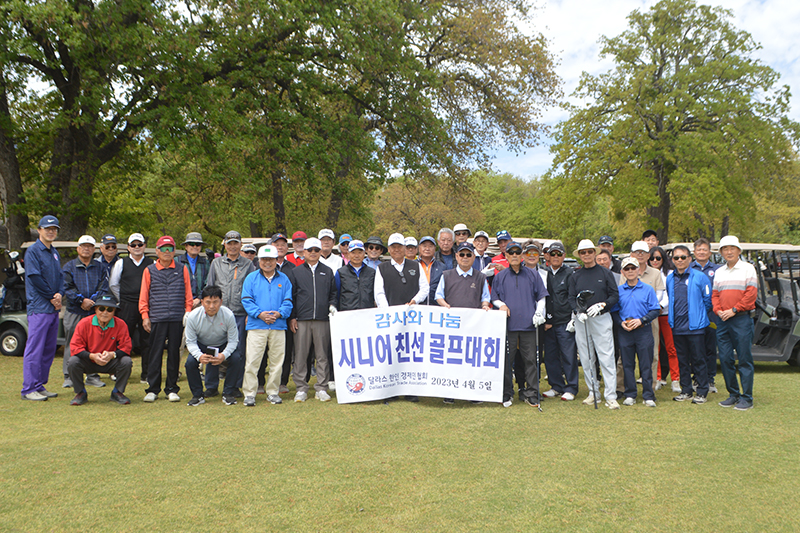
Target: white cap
[(268, 251), (136, 237), (629, 261), (640, 246), (325, 233), (312, 243), (397, 238), (461, 227), (411, 241), (730, 240), (87, 239)]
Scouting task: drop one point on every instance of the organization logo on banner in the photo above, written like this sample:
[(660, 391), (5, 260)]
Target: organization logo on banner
[(356, 384)]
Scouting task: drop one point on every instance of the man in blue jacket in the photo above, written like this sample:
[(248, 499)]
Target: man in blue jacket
[(689, 292), (267, 298)]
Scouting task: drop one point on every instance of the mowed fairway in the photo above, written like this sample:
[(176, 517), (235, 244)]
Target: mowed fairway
[(398, 467)]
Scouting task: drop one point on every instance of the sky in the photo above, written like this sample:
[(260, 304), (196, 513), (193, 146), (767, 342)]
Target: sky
[(573, 28)]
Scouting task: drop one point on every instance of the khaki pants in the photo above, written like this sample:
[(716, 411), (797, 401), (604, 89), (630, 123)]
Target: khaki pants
[(257, 341)]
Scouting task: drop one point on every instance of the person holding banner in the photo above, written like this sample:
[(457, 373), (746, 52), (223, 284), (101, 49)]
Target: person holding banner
[(399, 282), (430, 266), (520, 292), (463, 286)]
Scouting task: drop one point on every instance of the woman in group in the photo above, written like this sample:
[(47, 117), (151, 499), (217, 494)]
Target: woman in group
[(659, 260)]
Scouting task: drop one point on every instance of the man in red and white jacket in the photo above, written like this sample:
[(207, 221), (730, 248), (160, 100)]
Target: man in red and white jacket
[(733, 297)]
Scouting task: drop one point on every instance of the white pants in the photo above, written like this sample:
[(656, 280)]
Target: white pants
[(257, 341), (596, 336)]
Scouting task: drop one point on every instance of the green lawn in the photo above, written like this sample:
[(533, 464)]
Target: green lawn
[(401, 467)]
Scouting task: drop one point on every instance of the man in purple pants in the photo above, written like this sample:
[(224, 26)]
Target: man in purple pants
[(43, 288)]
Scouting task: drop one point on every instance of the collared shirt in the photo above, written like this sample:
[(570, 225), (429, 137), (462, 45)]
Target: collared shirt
[(380, 291), (333, 261), (44, 277), (212, 331), (485, 296), (735, 287), (90, 337), (373, 263), (83, 281), (192, 262), (116, 273), (229, 275), (680, 305), (708, 269), (638, 301)]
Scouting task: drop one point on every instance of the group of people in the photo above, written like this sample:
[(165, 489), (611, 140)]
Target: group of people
[(254, 316)]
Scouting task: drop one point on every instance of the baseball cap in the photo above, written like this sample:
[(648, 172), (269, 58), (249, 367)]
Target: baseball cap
[(193, 236), (87, 239), (532, 246), (556, 246), (267, 251), (480, 234), (108, 238), (356, 245), (605, 239), (299, 236), (326, 233), (106, 300), (629, 261), (397, 238), (345, 237), (48, 221), (503, 235), (233, 236), (465, 246), (249, 248), (164, 241), (513, 244), (429, 239), (410, 241), (640, 246), (312, 243), (278, 236), (729, 240), (136, 237)]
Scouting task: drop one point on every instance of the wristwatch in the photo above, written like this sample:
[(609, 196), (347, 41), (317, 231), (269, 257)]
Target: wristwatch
[(735, 311)]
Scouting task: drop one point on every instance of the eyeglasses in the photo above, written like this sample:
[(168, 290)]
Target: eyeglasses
[(630, 267), (513, 252), (555, 254), (104, 309), (656, 258), (166, 249), (680, 257), (464, 255), (194, 244), (135, 245), (585, 252)]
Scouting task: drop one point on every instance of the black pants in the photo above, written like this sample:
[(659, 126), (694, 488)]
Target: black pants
[(129, 313), (160, 332), (526, 340), (119, 366), (692, 359)]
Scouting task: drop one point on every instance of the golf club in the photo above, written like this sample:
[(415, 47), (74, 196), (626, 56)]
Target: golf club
[(582, 299)]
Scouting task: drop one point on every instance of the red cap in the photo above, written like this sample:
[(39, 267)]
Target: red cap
[(166, 239), (299, 236)]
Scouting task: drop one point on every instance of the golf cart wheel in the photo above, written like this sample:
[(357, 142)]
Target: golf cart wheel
[(12, 341)]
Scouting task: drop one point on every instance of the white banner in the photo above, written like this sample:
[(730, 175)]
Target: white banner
[(418, 350)]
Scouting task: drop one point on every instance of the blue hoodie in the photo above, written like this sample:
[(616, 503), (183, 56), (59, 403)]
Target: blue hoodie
[(698, 296)]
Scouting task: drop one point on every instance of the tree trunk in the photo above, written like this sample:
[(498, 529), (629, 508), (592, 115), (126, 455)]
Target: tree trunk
[(726, 226), (661, 211), (255, 229), (335, 205), (11, 182), (277, 200)]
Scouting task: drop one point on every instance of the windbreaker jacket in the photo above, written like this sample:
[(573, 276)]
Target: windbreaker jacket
[(259, 295), (313, 292), (699, 296)]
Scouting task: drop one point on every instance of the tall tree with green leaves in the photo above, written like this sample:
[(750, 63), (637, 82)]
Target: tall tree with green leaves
[(689, 122)]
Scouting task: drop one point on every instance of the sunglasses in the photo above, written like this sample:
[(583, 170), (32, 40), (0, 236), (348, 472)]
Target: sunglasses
[(656, 258), (166, 249), (194, 244), (555, 254), (134, 245), (585, 252), (630, 267), (460, 233), (374, 247), (313, 250), (104, 309), (110, 246), (464, 255), (532, 253), (249, 252), (680, 257), (513, 252)]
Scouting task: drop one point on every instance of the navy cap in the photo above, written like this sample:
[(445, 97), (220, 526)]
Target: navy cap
[(503, 236), (48, 221), (465, 246), (279, 236), (557, 246), (513, 244), (605, 239), (109, 239), (106, 300), (429, 239)]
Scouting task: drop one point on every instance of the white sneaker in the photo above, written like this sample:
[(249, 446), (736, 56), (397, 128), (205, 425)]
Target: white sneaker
[(323, 396), (173, 397), (590, 400), (300, 396), (552, 393), (35, 396), (612, 404), (567, 396), (712, 388), (150, 397), (331, 386), (650, 403), (657, 386), (663, 382), (507, 403), (629, 401)]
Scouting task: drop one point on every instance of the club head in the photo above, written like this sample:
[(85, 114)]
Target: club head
[(584, 296)]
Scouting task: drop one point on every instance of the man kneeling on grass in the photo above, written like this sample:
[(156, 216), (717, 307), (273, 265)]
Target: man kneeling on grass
[(100, 344), (211, 338)]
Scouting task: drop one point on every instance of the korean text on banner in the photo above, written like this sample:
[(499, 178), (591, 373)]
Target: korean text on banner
[(418, 350)]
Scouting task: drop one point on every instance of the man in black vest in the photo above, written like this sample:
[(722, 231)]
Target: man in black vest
[(355, 282), (125, 283), (198, 264), (166, 296), (463, 286)]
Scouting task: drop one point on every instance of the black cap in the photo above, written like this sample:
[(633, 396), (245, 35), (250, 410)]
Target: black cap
[(278, 236), (106, 300), (376, 240), (605, 239), (556, 246)]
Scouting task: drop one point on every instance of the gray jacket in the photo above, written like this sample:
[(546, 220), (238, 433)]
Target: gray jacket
[(229, 276)]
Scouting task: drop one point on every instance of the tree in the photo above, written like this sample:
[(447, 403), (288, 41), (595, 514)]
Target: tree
[(688, 121)]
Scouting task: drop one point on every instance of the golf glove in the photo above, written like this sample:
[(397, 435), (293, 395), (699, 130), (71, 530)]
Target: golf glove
[(538, 320), (582, 317), (331, 311), (571, 326), (596, 309)]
